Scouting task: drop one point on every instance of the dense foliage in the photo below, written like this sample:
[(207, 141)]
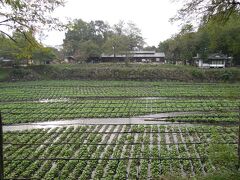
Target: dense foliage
[(84, 40), (25, 48), (209, 38)]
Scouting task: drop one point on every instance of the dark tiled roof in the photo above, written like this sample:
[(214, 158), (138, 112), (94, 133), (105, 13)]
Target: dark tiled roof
[(217, 56), (138, 54)]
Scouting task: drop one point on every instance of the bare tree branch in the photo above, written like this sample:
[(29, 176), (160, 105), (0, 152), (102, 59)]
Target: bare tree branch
[(6, 20), (27, 15), (204, 10), (8, 36)]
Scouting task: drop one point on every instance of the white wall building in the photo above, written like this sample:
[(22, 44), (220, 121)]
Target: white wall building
[(216, 60)]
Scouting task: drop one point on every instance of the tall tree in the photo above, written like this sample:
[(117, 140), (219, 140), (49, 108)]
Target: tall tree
[(77, 33), (150, 48), (99, 31), (43, 55), (86, 50), (82, 36), (134, 35), (202, 44), (123, 38), (25, 45), (119, 28), (225, 38), (171, 49), (119, 39), (209, 38), (180, 47), (116, 44), (6, 47)]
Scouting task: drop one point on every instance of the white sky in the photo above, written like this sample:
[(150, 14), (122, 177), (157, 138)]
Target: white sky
[(151, 16)]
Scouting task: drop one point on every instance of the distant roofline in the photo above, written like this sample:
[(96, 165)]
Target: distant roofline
[(143, 52), (138, 54), (214, 56)]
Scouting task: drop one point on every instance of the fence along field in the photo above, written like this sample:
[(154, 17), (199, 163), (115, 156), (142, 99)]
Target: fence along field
[(117, 151)]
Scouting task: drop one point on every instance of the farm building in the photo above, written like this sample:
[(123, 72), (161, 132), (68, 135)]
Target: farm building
[(13, 62), (6, 62), (136, 56), (70, 60), (216, 60)]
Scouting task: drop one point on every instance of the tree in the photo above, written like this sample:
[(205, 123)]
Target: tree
[(150, 48), (43, 55), (81, 37), (25, 49), (25, 15), (181, 47), (77, 33), (209, 38), (24, 46), (135, 37), (99, 31), (58, 53), (225, 38), (88, 49), (205, 10), (187, 43), (85, 40), (6, 47), (123, 39), (119, 28), (116, 44)]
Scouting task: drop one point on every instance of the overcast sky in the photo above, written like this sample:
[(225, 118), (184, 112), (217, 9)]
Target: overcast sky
[(151, 16)]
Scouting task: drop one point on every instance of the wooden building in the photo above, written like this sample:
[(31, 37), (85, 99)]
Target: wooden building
[(7, 62), (70, 60), (135, 56)]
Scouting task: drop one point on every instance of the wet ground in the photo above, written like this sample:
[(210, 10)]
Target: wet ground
[(146, 119)]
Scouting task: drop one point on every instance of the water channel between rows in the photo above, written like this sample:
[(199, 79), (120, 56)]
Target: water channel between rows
[(159, 119)]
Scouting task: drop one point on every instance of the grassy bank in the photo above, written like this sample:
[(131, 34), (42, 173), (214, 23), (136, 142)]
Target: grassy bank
[(114, 71)]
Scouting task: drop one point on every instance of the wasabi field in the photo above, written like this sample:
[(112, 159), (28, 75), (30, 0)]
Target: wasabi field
[(118, 129)]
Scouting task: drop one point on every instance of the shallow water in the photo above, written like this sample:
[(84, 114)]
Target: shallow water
[(146, 119), (53, 100), (79, 122)]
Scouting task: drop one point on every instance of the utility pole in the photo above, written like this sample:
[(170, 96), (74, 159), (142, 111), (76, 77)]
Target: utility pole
[(1, 148), (114, 53)]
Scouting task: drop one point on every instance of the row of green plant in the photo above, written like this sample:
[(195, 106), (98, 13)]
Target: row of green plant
[(210, 117), (166, 150), (19, 112), (30, 91)]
